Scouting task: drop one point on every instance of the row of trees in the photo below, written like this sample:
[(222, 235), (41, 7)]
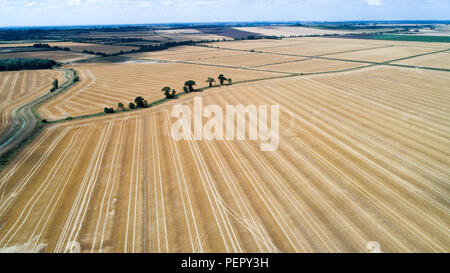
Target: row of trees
[(51, 47), (41, 45), (22, 64), (140, 102), (55, 86), (95, 53), (221, 78)]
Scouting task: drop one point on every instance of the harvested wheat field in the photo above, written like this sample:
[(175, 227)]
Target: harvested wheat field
[(16, 45), (250, 60), (79, 47), (289, 31), (363, 156), (104, 85), (56, 55), (19, 88), (438, 60), (307, 46), (187, 53), (258, 44), (351, 49), (322, 48), (187, 35), (312, 66), (385, 54)]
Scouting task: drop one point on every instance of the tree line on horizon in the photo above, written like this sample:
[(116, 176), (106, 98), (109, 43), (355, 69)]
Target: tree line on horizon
[(15, 64)]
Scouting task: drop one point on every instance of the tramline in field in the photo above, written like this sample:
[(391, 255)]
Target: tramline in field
[(362, 157)]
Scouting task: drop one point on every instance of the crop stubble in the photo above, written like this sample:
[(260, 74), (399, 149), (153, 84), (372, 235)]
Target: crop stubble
[(363, 157)]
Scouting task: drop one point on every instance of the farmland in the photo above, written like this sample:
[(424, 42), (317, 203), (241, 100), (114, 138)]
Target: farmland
[(363, 154), (440, 60), (289, 31), (312, 66), (80, 47), (104, 85), (16, 45), (18, 88), (56, 55), (185, 53), (384, 54), (359, 160), (436, 38)]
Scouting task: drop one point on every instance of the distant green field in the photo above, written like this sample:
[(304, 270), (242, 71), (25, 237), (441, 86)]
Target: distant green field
[(411, 38)]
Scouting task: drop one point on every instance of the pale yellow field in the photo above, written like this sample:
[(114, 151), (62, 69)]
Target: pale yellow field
[(188, 34), (20, 87), (56, 55), (313, 65), (384, 54), (79, 47), (104, 85), (363, 157), (317, 45), (439, 60), (17, 45), (322, 48), (187, 53), (250, 60), (259, 44), (288, 31)]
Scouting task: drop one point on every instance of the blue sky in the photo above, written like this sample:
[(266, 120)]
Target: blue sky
[(87, 12)]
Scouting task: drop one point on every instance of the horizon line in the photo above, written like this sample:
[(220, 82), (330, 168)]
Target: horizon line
[(444, 21)]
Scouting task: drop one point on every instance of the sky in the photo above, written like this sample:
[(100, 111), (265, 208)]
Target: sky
[(99, 12)]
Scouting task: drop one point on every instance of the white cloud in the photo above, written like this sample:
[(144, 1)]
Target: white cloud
[(373, 2)]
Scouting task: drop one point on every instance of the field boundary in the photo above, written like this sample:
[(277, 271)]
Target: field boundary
[(71, 73), (30, 123), (204, 88), (389, 62)]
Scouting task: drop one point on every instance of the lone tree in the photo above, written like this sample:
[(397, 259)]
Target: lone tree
[(230, 81), (210, 81), (55, 84), (108, 110), (169, 92), (141, 102), (121, 106), (222, 79), (189, 84), (131, 105)]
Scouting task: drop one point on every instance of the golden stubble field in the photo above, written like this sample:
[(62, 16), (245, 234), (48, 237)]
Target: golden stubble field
[(19, 87), (363, 157), (104, 85), (439, 60)]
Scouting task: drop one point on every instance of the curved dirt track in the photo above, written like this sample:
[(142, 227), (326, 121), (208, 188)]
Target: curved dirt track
[(17, 91), (363, 157)]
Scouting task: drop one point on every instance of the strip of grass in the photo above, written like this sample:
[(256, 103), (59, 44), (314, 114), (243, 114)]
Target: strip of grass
[(8, 156), (411, 38)]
